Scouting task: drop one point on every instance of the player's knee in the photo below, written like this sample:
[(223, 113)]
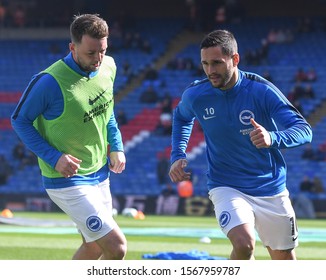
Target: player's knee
[(119, 252), (244, 248), (114, 245)]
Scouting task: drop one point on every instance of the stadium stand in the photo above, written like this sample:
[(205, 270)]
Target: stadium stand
[(18, 64)]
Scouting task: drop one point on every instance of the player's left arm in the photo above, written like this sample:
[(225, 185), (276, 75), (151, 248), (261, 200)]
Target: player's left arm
[(292, 128), (117, 155), (260, 137)]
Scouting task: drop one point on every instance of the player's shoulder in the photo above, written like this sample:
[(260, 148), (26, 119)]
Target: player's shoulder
[(259, 86), (197, 85), (254, 78), (199, 82), (109, 60), (109, 64), (256, 81)]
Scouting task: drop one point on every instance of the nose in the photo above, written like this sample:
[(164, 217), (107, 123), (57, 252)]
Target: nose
[(210, 69), (98, 56)]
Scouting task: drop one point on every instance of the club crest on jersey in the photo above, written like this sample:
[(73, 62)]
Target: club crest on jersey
[(224, 219), (94, 223), (245, 117)]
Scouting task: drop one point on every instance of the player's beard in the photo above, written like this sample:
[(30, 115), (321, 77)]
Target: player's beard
[(220, 81), (88, 67)]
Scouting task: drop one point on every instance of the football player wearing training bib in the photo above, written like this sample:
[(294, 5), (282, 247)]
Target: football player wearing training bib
[(66, 118)]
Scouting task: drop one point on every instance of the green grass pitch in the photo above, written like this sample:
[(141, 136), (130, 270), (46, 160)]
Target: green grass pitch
[(38, 246)]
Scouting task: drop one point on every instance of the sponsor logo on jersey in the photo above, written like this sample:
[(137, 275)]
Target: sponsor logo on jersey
[(208, 117), (96, 111), (92, 101), (224, 219), (245, 117), (94, 223), (246, 131)]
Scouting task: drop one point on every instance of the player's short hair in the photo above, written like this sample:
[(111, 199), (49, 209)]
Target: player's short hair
[(221, 38), (88, 24)]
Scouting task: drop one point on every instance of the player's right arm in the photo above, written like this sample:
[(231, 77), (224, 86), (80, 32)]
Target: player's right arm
[(42, 96), (177, 171), (182, 124)]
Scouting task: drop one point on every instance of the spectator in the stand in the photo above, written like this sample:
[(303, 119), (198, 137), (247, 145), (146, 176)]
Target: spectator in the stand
[(149, 95), (127, 71), (136, 41), (296, 92), (279, 36), (198, 71), (165, 124), (19, 151), (267, 75), (305, 25), (25, 157), (193, 23), (5, 170), (188, 64), (311, 75), (258, 56), (168, 201), (181, 63), (300, 75), (308, 152), (162, 169), (320, 154), (19, 16), (251, 57), (220, 16), (127, 40), (263, 52), (303, 204), (306, 184), (121, 117), (168, 190), (308, 92), (297, 104), (166, 103), (31, 158), (289, 36), (116, 30), (235, 10), (151, 73), (54, 51), (146, 46), (3, 14), (272, 35), (318, 185), (305, 76), (164, 127)]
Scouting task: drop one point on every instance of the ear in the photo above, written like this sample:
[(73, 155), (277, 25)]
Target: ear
[(72, 47), (236, 59)]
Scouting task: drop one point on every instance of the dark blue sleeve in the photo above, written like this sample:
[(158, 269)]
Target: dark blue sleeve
[(41, 97), (114, 135), (183, 121)]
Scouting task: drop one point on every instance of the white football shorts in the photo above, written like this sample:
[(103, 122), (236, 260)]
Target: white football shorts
[(273, 217), (89, 207)]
